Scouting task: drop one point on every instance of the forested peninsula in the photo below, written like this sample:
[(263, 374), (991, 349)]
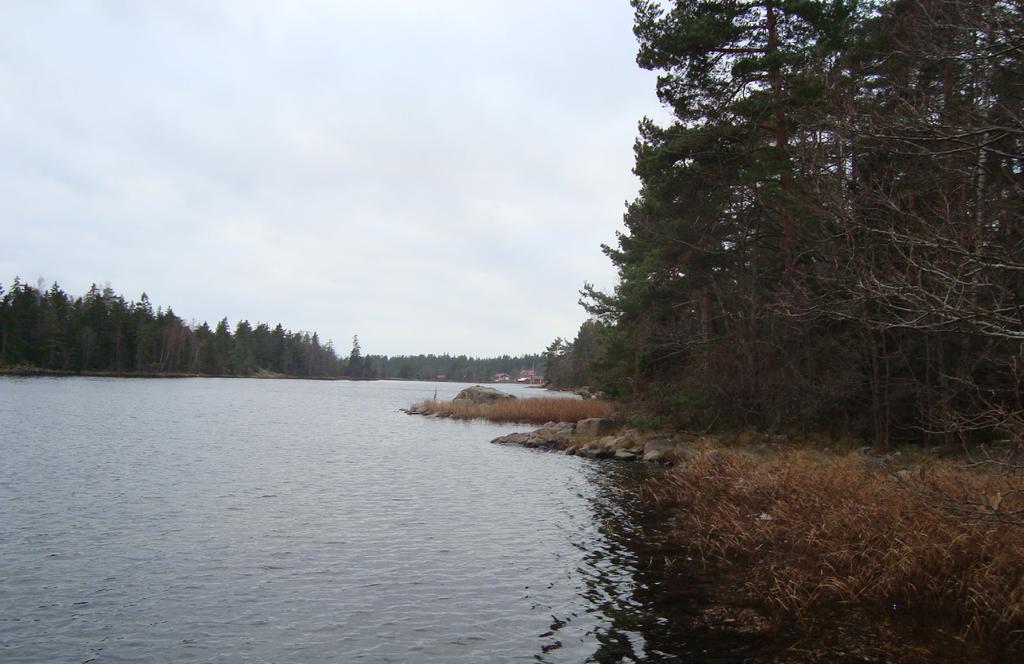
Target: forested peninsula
[(45, 330), (829, 234), (819, 320)]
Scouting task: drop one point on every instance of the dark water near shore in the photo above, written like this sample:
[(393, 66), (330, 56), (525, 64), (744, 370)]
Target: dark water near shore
[(280, 520)]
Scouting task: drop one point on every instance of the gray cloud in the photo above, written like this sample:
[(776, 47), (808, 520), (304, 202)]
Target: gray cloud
[(432, 176)]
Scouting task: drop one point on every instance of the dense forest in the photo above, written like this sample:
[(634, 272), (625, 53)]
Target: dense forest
[(829, 233), (102, 332), (452, 367)]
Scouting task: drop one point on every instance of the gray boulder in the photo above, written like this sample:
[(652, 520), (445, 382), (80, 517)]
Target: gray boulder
[(629, 439), (514, 439), (481, 394), (557, 429), (657, 448), (653, 456), (595, 426), (553, 435), (595, 449)]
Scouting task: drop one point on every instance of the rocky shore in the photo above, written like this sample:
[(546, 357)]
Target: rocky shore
[(820, 552), (596, 438), (824, 554)]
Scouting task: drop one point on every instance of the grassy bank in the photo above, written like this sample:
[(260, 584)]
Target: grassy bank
[(536, 410), (929, 545)]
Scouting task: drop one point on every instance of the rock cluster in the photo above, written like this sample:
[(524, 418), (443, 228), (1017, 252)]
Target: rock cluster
[(553, 435), (629, 445)]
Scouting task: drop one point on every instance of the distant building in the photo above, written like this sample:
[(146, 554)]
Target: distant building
[(530, 376), (440, 376), (502, 378)]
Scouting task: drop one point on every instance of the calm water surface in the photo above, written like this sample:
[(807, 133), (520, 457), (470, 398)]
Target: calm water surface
[(298, 521)]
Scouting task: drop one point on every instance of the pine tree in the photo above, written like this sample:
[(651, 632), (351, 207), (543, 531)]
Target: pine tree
[(355, 360)]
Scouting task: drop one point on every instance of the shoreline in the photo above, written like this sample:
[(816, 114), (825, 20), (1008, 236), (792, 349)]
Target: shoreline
[(491, 404), (846, 553), (33, 372), (30, 372)]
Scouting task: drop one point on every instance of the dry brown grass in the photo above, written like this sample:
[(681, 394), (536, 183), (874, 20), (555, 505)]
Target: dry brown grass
[(534, 410), (813, 531)]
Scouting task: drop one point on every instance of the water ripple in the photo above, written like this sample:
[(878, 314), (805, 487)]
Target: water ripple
[(244, 520)]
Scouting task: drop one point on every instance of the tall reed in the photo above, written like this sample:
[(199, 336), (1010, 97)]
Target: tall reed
[(812, 531), (535, 410)]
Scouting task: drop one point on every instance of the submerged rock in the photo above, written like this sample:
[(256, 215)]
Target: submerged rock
[(553, 435), (629, 445), (514, 439), (595, 449), (481, 394)]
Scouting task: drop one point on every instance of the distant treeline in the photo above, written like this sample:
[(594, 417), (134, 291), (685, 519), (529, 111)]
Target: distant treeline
[(102, 332), (446, 367)]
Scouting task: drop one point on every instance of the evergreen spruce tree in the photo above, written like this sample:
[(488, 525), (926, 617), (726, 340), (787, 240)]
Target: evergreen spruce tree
[(355, 359)]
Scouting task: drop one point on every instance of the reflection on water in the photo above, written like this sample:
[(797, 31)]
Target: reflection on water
[(247, 520), (647, 615)]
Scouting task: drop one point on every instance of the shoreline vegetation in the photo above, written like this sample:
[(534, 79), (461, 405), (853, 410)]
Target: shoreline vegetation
[(912, 553), (533, 410), (903, 542), (911, 542)]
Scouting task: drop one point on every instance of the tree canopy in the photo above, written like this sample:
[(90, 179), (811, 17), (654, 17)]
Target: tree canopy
[(102, 332), (829, 232)]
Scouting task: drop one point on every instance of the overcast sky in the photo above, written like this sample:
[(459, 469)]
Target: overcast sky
[(432, 176)]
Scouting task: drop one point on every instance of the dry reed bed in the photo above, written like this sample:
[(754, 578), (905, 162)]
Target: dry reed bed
[(533, 410), (812, 531)]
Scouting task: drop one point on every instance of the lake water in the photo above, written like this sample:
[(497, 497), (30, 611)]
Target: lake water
[(233, 520)]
